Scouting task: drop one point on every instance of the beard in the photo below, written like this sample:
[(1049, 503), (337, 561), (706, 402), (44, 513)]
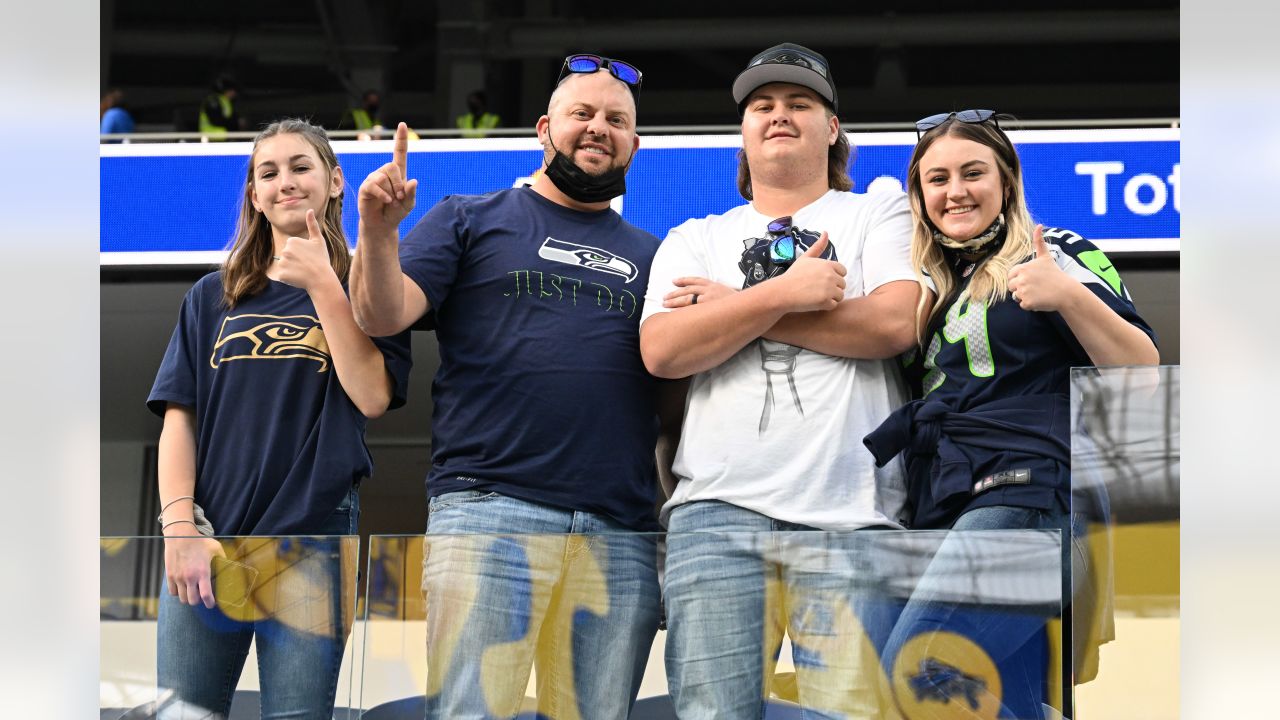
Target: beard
[(580, 183)]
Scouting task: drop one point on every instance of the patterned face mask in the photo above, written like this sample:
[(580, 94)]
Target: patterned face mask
[(973, 244)]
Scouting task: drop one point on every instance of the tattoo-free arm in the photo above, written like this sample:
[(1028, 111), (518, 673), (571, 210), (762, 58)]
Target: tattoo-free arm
[(875, 326), (187, 556)]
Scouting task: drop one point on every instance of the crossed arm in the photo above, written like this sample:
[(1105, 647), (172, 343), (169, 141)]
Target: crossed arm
[(696, 337)]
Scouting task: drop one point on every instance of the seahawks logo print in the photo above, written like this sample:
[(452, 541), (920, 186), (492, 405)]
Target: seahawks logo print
[(588, 257), (270, 337)]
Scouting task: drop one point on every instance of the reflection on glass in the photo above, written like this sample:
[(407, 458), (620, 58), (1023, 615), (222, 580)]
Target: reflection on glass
[(831, 635), (1126, 450), (290, 598)]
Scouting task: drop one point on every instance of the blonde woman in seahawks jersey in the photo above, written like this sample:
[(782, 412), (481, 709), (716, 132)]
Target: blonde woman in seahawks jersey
[(1010, 307), (265, 390)]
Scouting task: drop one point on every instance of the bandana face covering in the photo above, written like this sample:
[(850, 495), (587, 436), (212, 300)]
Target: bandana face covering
[(974, 244), (580, 185)]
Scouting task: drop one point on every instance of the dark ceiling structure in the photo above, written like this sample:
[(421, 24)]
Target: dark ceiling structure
[(892, 61)]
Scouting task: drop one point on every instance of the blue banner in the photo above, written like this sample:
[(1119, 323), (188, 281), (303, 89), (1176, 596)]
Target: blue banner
[(178, 203)]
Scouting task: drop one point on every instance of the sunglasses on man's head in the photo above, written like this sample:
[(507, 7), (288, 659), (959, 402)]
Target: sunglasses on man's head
[(587, 64), (973, 117)]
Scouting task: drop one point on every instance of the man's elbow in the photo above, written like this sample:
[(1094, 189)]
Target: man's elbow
[(901, 336), (375, 325), (893, 337), (659, 365), (367, 321), (659, 357), (1150, 354), (362, 320)]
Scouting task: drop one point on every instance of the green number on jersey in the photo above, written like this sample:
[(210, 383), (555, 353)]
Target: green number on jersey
[(971, 327)]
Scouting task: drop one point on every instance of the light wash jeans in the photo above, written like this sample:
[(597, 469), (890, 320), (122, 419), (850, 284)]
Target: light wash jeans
[(511, 585), (735, 581), (296, 614), (1013, 640)]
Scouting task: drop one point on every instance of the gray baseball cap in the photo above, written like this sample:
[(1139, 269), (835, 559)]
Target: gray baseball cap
[(786, 63)]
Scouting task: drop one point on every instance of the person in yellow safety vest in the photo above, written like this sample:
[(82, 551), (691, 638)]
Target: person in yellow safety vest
[(366, 117), (477, 122), (218, 112)]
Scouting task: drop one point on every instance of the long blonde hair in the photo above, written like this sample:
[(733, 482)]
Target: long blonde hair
[(245, 271), (990, 283)]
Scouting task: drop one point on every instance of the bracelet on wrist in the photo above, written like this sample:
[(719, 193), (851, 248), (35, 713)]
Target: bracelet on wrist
[(160, 517), (175, 522)]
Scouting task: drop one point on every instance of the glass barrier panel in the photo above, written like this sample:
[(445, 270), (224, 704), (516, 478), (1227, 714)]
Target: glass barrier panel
[(267, 623), (866, 624), (1125, 467)]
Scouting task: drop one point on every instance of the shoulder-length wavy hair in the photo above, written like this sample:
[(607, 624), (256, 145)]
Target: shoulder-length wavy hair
[(990, 283), (837, 166), (245, 271)]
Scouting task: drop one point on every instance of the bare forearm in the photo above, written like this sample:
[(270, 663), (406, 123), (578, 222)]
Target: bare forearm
[(1108, 338), (176, 471), (877, 326), (377, 288), (848, 331), (694, 339), (361, 369)]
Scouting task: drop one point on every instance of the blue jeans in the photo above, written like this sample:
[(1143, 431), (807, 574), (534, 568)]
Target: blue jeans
[(735, 581), (974, 641), (298, 611), (511, 585)]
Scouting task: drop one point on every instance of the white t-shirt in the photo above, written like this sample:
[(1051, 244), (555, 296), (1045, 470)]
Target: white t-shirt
[(776, 428)]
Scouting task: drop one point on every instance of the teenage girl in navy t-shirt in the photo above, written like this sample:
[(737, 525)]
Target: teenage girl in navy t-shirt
[(265, 390)]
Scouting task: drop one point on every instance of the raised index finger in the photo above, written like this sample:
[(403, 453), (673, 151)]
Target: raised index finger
[(400, 152)]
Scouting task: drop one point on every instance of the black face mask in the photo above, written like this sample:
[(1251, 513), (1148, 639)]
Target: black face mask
[(580, 185)]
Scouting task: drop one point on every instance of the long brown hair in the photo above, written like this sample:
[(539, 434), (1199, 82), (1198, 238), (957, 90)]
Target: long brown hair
[(245, 271), (837, 165), (990, 281)]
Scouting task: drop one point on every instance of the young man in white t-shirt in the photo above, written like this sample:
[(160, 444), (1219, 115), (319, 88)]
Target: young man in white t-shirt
[(787, 312)]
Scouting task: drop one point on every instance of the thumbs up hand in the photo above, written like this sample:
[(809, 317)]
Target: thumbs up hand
[(812, 283), (1039, 284), (304, 262)]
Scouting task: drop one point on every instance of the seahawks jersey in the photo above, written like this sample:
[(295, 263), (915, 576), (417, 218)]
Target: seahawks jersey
[(976, 356)]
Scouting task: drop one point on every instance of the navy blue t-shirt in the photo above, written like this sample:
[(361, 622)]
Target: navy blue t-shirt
[(278, 442), (1013, 365), (541, 393)]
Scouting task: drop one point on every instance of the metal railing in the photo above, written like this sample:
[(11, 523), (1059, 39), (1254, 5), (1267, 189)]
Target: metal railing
[(386, 133)]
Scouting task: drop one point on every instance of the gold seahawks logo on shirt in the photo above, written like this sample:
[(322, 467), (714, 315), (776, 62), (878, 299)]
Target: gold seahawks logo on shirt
[(270, 337)]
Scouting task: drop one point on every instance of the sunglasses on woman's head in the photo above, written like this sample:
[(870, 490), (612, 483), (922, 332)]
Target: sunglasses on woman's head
[(587, 64), (973, 117)]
